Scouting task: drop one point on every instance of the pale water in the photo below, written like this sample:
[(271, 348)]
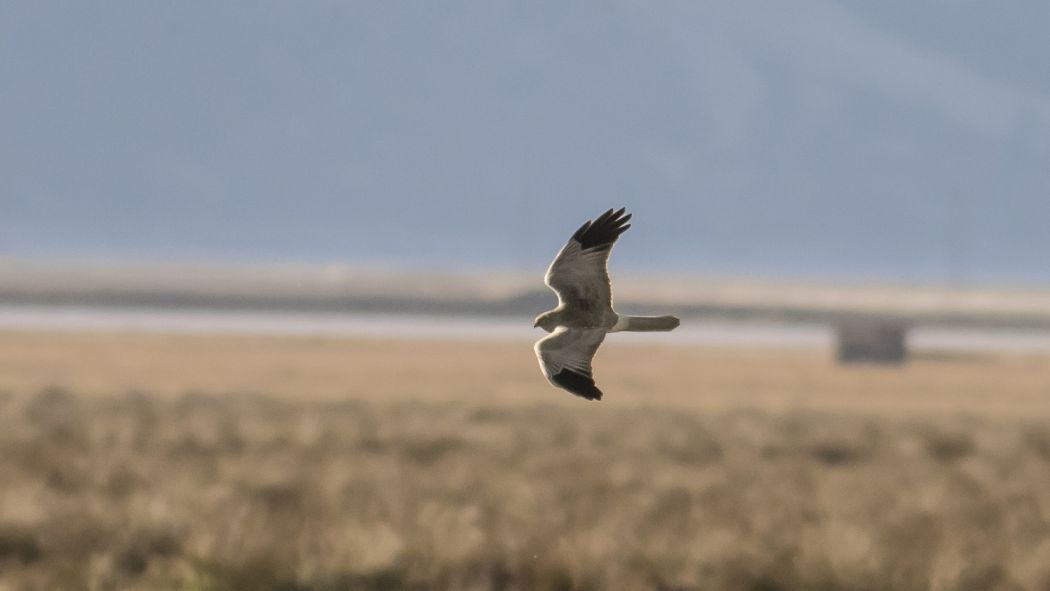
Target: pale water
[(692, 331)]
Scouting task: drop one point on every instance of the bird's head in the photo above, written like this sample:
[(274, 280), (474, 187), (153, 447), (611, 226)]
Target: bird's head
[(546, 321)]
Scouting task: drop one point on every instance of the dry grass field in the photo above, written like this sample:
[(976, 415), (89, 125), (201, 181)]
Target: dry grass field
[(134, 461)]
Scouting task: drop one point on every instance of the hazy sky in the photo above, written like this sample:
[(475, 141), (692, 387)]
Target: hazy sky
[(893, 139)]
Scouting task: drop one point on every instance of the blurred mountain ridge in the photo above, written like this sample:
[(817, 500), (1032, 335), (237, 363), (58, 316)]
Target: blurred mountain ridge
[(900, 141)]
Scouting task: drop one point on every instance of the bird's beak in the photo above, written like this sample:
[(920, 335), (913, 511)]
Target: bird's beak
[(535, 324)]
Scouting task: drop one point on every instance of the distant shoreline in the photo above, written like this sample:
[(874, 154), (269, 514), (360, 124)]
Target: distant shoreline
[(693, 332), (335, 289)]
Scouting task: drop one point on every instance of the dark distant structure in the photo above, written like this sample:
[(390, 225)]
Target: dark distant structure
[(871, 339)]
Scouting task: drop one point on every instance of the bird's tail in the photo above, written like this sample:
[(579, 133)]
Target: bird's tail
[(646, 323)]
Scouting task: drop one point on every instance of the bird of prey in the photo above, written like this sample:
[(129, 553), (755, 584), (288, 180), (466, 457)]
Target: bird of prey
[(584, 314)]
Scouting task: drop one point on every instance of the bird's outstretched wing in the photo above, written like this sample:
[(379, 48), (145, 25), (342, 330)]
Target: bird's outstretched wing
[(565, 357), (579, 274)]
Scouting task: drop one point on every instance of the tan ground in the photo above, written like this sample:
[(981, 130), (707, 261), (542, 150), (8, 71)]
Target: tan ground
[(194, 462), (704, 379)]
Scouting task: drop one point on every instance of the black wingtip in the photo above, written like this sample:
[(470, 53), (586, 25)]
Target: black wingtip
[(604, 230), (577, 384), (578, 235)]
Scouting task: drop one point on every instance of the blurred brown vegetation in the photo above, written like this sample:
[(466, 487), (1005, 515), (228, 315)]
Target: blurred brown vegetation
[(753, 486)]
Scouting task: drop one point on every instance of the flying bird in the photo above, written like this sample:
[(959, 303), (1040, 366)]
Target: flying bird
[(584, 314)]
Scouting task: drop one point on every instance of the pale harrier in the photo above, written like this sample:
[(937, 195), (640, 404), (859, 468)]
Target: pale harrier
[(584, 313)]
